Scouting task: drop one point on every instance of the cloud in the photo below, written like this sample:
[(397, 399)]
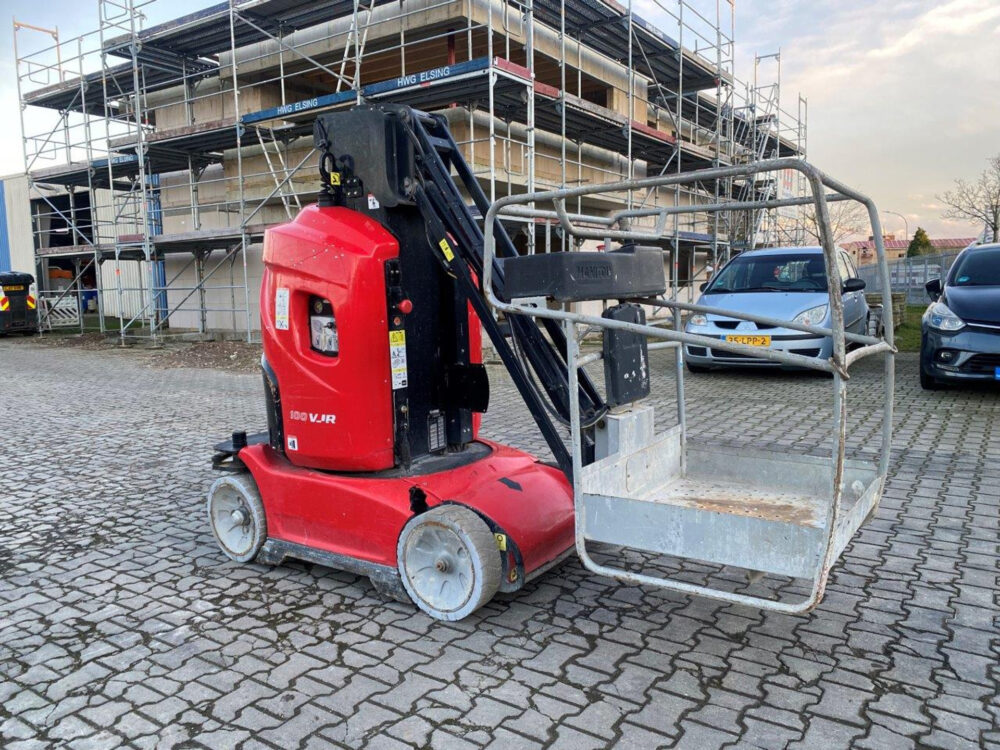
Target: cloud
[(901, 93), (958, 18)]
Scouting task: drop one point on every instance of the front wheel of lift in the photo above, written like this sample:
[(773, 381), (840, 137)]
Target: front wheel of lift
[(236, 514), (449, 562)]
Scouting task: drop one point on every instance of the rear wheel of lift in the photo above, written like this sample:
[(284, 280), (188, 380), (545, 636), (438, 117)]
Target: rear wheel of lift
[(449, 562), (236, 514)]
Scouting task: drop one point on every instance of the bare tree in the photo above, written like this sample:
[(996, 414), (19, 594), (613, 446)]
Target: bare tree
[(977, 201), (847, 219)]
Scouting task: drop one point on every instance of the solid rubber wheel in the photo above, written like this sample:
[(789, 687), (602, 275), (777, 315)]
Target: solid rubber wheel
[(449, 562), (927, 382), (236, 515)]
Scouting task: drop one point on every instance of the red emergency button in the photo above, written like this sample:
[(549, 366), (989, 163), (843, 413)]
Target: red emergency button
[(405, 307)]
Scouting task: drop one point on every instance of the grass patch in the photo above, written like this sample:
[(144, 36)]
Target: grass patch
[(908, 334)]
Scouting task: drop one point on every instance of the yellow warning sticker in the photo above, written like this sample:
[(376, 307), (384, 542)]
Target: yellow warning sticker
[(334, 178), (281, 296), (501, 542), (397, 359), (446, 250)]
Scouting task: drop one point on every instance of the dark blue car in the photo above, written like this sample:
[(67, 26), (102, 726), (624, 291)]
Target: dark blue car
[(960, 332)]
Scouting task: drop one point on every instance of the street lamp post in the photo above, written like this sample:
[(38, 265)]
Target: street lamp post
[(905, 222)]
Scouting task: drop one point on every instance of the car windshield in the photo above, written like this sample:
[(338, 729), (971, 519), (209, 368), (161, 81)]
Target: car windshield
[(788, 272), (977, 268)]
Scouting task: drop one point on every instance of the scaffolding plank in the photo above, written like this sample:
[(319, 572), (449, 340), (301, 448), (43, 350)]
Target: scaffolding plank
[(86, 94), (303, 107), (703, 110), (200, 138), (587, 122), (207, 31), (204, 239), (467, 83), (71, 251), (604, 26), (81, 174), (428, 89), (130, 246)]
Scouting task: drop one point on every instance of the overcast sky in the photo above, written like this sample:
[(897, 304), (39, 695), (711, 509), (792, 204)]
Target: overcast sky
[(904, 95)]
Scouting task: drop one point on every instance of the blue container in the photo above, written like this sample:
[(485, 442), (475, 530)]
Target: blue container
[(86, 296)]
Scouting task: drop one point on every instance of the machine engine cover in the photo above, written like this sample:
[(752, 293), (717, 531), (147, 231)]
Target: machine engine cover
[(632, 271), (335, 411), (358, 376)]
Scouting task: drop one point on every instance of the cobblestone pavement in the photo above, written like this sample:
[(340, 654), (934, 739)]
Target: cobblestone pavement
[(121, 622)]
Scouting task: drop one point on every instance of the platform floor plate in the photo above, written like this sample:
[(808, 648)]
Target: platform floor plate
[(759, 510), (740, 500)]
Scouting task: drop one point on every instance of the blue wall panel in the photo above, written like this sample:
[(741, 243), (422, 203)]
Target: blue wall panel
[(4, 235)]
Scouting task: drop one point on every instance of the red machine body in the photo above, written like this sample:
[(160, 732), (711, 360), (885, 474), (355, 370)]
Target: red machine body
[(330, 475), (336, 410), (361, 517)]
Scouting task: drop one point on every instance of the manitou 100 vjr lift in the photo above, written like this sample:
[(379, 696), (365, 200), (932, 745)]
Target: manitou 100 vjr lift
[(372, 306)]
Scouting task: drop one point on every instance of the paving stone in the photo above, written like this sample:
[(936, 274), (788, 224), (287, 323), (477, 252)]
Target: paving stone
[(663, 713), (825, 733), (383, 742), (504, 739), (697, 736), (122, 624), (880, 738), (840, 703)]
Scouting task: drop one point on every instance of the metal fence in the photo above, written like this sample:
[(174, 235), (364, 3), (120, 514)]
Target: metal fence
[(59, 310), (909, 275)]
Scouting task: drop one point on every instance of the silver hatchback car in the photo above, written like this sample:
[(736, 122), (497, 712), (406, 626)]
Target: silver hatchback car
[(787, 283)]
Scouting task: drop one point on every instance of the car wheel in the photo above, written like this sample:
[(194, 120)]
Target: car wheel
[(927, 382), (697, 369)]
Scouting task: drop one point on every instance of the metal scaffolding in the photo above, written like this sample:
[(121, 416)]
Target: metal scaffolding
[(186, 139)]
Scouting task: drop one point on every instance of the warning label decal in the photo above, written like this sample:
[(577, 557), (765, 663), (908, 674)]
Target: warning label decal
[(446, 250), (397, 358), (281, 309)]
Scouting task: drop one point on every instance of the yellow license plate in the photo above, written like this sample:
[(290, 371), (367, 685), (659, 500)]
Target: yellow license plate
[(13, 288), (749, 340)]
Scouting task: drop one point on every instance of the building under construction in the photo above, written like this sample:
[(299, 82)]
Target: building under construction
[(156, 155)]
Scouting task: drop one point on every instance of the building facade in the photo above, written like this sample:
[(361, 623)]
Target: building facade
[(863, 251), (167, 150)]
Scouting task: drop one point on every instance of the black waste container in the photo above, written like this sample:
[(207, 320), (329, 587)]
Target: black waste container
[(18, 306)]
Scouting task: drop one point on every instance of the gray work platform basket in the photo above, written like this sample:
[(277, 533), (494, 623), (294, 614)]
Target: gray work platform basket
[(762, 511)]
